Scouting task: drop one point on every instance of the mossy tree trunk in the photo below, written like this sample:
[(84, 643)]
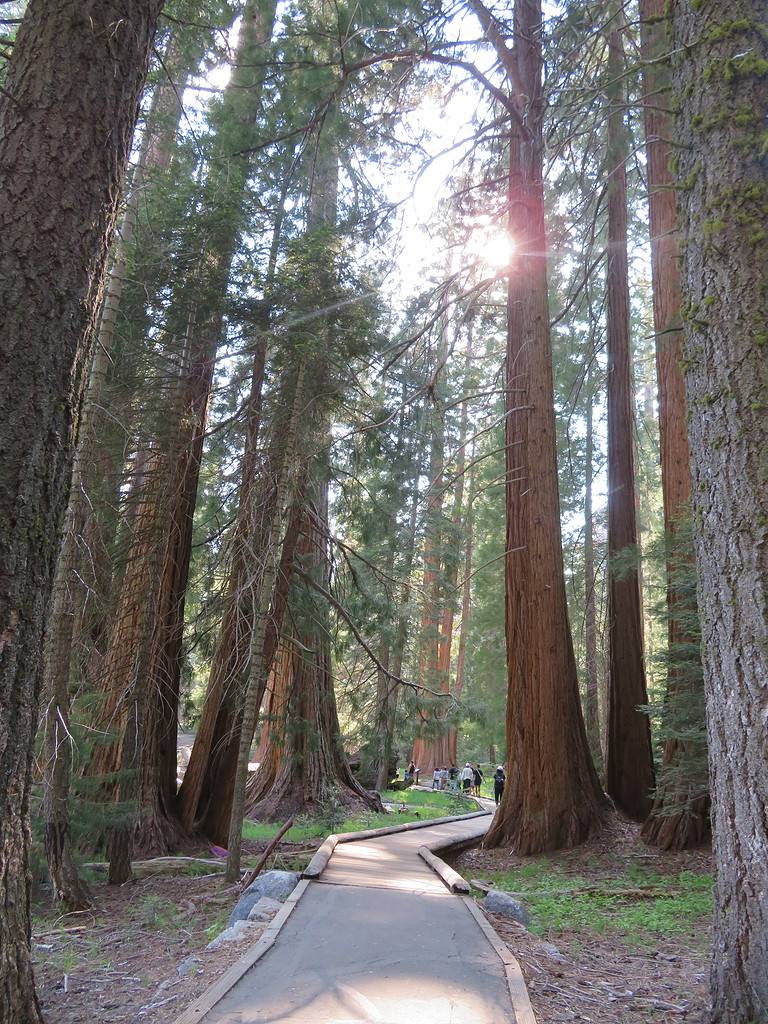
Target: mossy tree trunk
[(720, 84)]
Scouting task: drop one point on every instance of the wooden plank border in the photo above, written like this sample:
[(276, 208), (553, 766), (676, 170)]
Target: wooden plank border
[(205, 1002), (452, 879), (518, 992), (320, 860)]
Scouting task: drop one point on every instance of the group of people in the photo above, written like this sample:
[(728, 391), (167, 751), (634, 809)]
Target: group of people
[(469, 779)]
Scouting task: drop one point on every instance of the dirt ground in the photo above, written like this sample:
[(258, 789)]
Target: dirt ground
[(118, 963), (606, 977)]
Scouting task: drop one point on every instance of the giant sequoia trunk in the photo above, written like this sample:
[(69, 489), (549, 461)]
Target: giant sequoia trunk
[(305, 767), (721, 70), (212, 763), (592, 701), (629, 758), (461, 516), (552, 798), (394, 653), (73, 568), (466, 607), (680, 814), (431, 747), (67, 114), (178, 461), (212, 785)]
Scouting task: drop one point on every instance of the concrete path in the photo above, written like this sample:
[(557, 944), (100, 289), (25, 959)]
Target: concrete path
[(377, 939)]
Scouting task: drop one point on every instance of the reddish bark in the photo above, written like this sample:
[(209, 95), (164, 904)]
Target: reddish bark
[(629, 757), (679, 819), (552, 797), (307, 767)]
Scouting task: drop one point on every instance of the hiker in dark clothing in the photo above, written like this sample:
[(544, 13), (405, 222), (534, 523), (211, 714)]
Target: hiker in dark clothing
[(478, 779), (499, 779)]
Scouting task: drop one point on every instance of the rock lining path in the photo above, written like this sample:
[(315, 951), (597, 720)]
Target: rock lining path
[(378, 939)]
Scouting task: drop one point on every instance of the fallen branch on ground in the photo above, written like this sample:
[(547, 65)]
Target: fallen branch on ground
[(251, 876)]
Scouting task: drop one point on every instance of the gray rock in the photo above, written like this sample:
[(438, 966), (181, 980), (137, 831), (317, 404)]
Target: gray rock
[(236, 933), (497, 902), (265, 909), (189, 966), (278, 885), (553, 952)]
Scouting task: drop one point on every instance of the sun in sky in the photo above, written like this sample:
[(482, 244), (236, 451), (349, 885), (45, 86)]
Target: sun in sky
[(490, 246)]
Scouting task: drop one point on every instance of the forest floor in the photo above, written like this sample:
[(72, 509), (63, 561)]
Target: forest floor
[(619, 933), (120, 962)]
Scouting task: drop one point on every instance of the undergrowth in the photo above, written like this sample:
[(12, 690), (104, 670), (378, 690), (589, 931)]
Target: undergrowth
[(638, 904), (421, 806)]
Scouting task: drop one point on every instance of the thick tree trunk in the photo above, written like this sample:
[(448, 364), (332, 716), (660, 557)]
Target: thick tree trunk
[(466, 607), (592, 702), (629, 757), (397, 653), (721, 88), (552, 797), (179, 467), (67, 114), (680, 815), (215, 746), (231, 654), (218, 770), (431, 746), (309, 766), (460, 526), (72, 567), (265, 590)]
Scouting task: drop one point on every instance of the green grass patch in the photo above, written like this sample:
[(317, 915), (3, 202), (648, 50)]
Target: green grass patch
[(638, 904), (421, 807)]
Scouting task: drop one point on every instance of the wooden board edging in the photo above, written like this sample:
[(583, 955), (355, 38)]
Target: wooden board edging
[(452, 879), (518, 992), (206, 1001), (320, 860)]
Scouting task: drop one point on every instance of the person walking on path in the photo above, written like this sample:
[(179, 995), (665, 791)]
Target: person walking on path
[(499, 779), (467, 777), (477, 780), (436, 779)]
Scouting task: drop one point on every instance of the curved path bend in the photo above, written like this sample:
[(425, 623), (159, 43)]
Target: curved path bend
[(378, 939)]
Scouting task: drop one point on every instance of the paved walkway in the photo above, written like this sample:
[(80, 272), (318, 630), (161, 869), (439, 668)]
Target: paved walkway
[(377, 939)]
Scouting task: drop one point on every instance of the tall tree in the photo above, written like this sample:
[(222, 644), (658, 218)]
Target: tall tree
[(67, 114), (165, 538), (721, 86), (629, 758), (308, 765), (552, 797), (592, 702), (680, 814), (215, 748), (430, 746), (70, 588)]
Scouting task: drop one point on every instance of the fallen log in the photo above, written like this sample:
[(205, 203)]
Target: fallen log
[(161, 865)]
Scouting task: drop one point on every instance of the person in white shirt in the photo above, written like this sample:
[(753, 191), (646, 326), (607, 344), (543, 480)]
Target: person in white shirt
[(467, 777), (436, 779)]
